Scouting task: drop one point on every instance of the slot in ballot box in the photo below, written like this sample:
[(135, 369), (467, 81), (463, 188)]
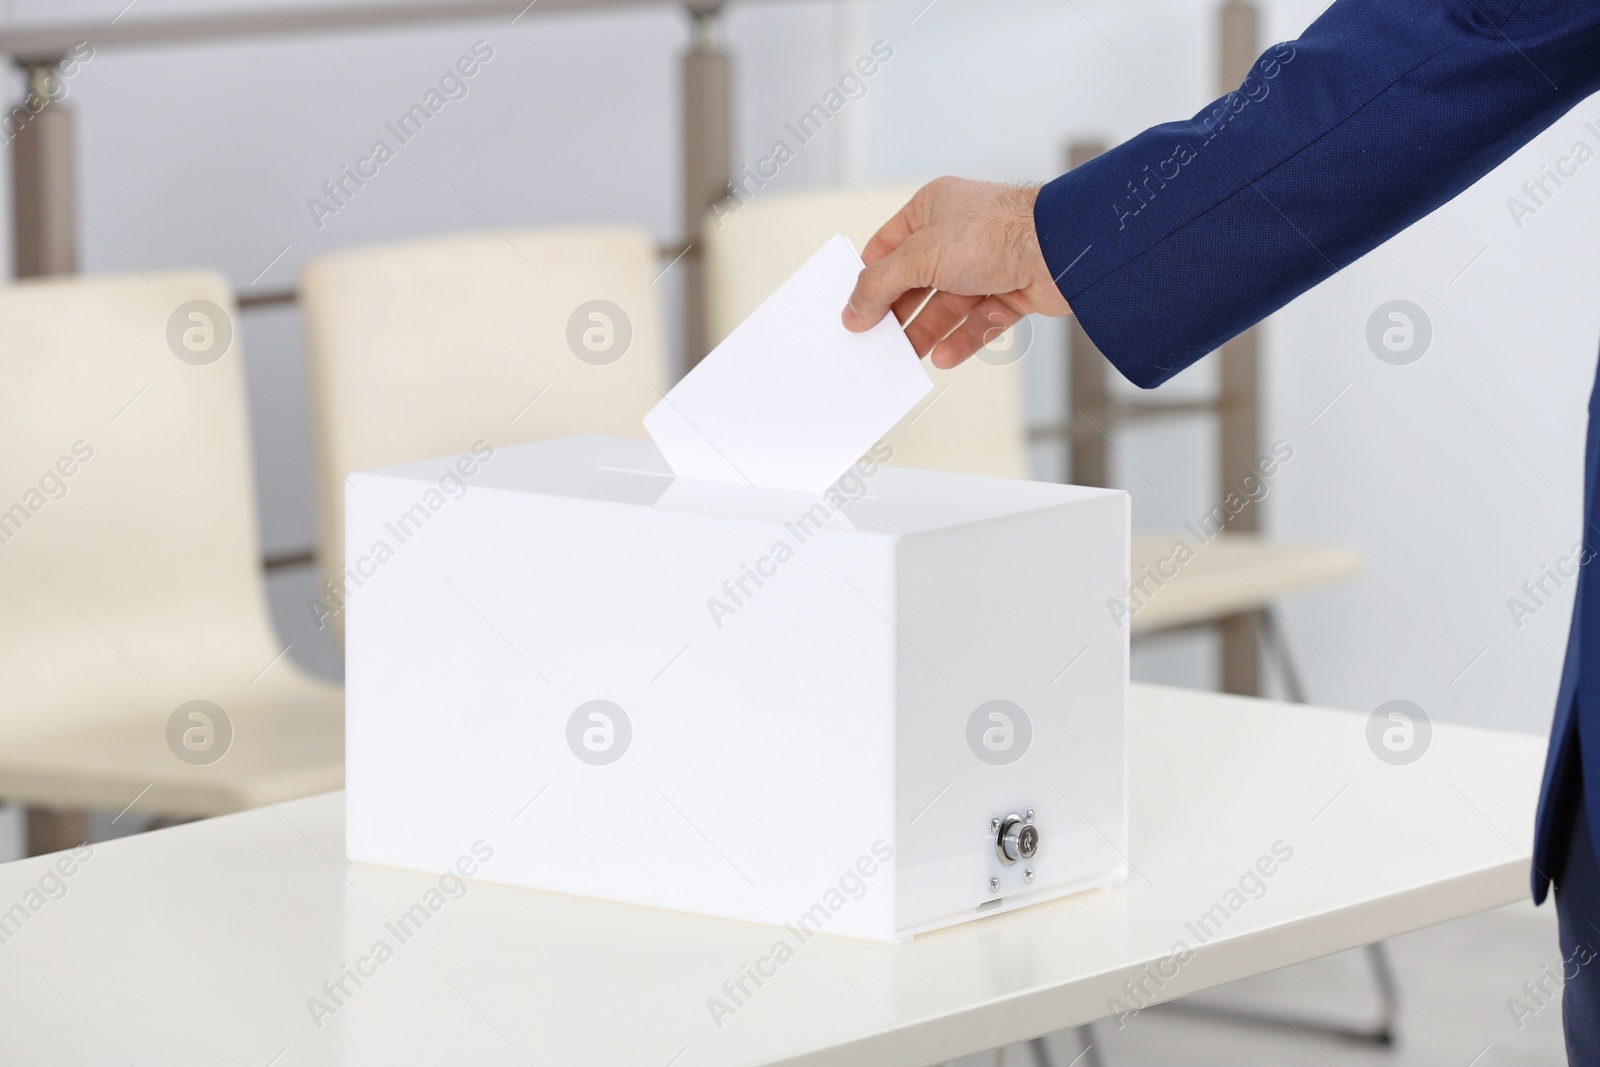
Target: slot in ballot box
[(896, 706)]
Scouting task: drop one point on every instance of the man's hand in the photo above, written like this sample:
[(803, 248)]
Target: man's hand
[(971, 245)]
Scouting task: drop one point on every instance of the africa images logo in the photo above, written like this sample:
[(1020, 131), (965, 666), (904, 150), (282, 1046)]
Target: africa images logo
[(599, 732), (1399, 732), (999, 732)]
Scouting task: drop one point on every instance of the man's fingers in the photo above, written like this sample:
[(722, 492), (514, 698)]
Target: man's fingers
[(906, 307), (987, 321), (898, 230), (944, 313), (884, 282), (894, 239)]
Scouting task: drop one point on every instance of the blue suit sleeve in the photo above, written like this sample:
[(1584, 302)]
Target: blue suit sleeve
[(1380, 112)]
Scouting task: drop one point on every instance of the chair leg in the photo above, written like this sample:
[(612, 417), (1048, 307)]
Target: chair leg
[(1241, 653), (1278, 649), (55, 829)]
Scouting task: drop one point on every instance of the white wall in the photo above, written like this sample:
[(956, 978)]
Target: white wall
[(1459, 475), (206, 155)]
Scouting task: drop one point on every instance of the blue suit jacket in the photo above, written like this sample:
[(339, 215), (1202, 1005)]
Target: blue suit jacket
[(1384, 109)]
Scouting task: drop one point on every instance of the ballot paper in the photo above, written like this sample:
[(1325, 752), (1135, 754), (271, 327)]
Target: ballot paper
[(791, 398)]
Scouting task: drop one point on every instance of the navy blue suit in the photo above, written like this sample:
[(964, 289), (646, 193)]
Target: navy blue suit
[(1380, 112)]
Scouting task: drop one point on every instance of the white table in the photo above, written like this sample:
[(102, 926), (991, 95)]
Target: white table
[(202, 944)]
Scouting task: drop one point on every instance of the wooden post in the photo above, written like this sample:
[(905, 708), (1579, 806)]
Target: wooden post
[(1240, 443), (707, 168), (52, 830), (1087, 451), (44, 241), (44, 224)]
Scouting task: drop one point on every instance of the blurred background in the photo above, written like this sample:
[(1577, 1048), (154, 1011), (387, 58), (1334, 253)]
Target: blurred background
[(1459, 476), (1456, 477)]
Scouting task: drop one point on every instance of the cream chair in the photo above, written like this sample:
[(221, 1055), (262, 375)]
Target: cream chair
[(426, 347), (973, 422), (129, 565)]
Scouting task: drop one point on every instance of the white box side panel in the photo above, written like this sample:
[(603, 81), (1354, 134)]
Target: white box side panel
[(1013, 695), (758, 769)]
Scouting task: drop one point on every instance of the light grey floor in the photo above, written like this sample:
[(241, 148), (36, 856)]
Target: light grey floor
[(1455, 981)]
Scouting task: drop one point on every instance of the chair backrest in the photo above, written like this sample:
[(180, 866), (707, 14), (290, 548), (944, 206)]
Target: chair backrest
[(129, 556), (427, 347), (973, 423)]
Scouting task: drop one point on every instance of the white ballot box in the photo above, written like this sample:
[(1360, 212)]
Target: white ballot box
[(892, 707)]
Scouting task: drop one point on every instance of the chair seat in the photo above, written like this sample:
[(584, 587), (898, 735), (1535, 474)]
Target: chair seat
[(1232, 573), (287, 742)]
